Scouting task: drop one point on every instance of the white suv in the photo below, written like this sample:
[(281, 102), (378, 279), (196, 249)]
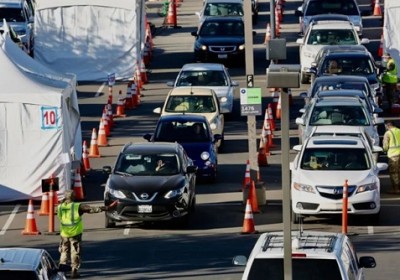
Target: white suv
[(319, 172), (19, 14), (323, 33), (315, 255)]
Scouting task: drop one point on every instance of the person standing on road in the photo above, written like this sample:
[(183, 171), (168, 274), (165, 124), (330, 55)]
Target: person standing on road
[(389, 79), (391, 145), (70, 214)]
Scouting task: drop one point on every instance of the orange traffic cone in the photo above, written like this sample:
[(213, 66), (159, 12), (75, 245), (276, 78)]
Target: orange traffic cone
[(377, 9), (262, 156), (94, 148), (128, 99), (110, 94), (143, 72), (85, 157), (171, 16), (253, 198), (247, 180), (278, 109), (78, 189), (135, 95), (267, 34), (146, 53), (267, 134), (380, 50), (120, 106), (30, 224), (102, 140), (271, 117), (275, 99), (248, 223), (104, 118), (44, 207), (278, 9), (277, 24), (110, 114)]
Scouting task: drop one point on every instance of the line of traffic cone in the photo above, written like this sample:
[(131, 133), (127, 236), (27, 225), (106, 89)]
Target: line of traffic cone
[(110, 114), (246, 180), (78, 188), (377, 9), (266, 133), (94, 148), (30, 223), (143, 72), (262, 158), (248, 222)]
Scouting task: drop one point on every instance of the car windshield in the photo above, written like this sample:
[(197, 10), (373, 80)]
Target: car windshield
[(223, 28), (344, 7), (339, 115), (147, 164), (190, 104), (12, 14), (303, 269), (223, 9), (182, 132), (202, 78), (335, 159), (361, 66), (332, 37)]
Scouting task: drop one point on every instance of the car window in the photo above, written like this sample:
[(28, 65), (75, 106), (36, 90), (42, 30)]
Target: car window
[(181, 132), (332, 37), (190, 104), (335, 159), (202, 78), (146, 164), (339, 115), (12, 14), (350, 66), (303, 269)]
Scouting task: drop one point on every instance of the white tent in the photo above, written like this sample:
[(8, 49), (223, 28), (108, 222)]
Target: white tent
[(391, 35), (90, 38), (39, 124)]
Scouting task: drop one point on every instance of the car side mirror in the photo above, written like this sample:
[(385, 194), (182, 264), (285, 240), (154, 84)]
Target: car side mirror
[(197, 14), (194, 33), (157, 110), (147, 136), (191, 169), (298, 12), (107, 169), (367, 262), (170, 83), (300, 121)]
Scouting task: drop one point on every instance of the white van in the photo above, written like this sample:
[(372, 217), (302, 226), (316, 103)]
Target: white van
[(315, 255)]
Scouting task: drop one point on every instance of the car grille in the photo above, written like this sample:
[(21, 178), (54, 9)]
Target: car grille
[(222, 49), (141, 196), (334, 192)]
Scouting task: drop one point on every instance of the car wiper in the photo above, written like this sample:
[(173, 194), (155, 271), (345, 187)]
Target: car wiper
[(123, 173)]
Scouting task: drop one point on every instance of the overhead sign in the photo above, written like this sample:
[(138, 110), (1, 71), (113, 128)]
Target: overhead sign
[(250, 101)]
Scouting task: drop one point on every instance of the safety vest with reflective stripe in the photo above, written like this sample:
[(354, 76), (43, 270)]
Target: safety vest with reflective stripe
[(70, 220), (394, 142), (390, 77)]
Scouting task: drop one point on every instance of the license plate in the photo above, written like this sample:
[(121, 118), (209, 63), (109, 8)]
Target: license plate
[(222, 56), (145, 209)]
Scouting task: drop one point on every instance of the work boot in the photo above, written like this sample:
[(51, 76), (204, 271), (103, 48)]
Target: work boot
[(74, 273)]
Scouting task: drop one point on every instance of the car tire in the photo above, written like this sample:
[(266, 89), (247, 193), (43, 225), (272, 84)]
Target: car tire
[(109, 223)]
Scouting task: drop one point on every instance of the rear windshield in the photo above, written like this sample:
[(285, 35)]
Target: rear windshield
[(20, 275), (303, 269)]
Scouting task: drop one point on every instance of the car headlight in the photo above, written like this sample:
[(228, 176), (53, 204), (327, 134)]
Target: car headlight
[(205, 155), (223, 99), (367, 187), (303, 188), (175, 193), (116, 193), (201, 46), (213, 124), (241, 47)]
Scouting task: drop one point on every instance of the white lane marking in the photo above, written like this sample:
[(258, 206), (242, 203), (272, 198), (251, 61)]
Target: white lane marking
[(10, 219), (100, 90), (370, 230), (126, 230)]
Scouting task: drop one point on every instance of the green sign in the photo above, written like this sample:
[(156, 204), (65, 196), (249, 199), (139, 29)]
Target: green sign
[(250, 101)]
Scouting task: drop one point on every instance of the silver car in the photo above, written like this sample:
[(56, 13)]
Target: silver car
[(209, 75)]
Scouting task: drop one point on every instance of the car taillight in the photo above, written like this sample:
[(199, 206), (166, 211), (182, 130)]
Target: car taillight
[(299, 255)]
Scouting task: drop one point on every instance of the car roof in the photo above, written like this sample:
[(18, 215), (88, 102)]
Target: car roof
[(326, 17), (183, 117), (342, 141), (202, 66), (151, 147), (341, 79), (316, 244), (20, 258), (191, 91)]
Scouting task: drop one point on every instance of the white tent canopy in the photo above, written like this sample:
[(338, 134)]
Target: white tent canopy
[(90, 38), (39, 124), (391, 25)]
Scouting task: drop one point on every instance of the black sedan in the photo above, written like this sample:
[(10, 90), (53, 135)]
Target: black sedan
[(153, 182), (220, 39)]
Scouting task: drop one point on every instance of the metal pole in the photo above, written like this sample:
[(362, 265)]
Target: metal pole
[(286, 207), (272, 17), (251, 119)]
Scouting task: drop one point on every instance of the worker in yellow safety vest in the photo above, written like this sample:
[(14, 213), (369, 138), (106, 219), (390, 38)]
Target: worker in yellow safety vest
[(70, 214), (389, 79), (391, 145)]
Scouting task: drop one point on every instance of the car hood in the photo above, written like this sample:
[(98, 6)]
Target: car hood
[(334, 177), (145, 183), (194, 150), (234, 40)]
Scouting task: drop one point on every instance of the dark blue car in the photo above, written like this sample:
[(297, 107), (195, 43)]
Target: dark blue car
[(193, 132)]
